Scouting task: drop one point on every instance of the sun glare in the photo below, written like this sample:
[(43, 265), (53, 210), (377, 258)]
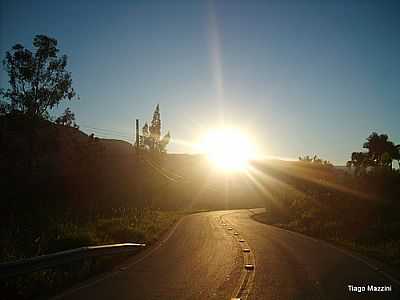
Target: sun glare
[(228, 149)]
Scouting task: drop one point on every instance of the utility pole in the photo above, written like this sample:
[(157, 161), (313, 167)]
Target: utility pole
[(137, 143), (138, 182)]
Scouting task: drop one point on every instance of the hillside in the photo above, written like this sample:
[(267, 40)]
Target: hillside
[(87, 173), (47, 161)]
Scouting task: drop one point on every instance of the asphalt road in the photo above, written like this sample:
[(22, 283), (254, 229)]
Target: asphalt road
[(202, 257)]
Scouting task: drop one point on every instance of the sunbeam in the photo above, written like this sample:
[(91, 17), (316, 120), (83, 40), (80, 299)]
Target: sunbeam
[(216, 60)]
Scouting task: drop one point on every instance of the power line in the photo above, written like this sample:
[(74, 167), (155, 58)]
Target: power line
[(98, 133), (106, 130), (112, 133), (108, 133), (111, 136)]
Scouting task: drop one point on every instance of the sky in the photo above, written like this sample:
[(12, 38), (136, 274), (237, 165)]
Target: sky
[(300, 77)]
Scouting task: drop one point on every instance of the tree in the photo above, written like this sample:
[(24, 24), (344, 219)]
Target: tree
[(155, 128), (147, 139), (360, 161), (381, 153), (315, 160), (145, 130), (38, 81), (151, 135), (396, 154), (67, 119), (4, 108), (380, 149), (306, 158)]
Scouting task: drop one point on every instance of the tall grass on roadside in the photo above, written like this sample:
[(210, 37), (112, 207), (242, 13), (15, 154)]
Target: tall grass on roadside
[(135, 225), (357, 212)]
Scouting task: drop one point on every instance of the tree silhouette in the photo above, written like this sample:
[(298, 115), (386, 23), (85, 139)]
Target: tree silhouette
[(381, 153), (38, 81), (145, 130), (360, 161), (67, 119), (396, 155), (148, 140), (381, 150), (151, 135), (306, 158), (155, 128), (315, 160)]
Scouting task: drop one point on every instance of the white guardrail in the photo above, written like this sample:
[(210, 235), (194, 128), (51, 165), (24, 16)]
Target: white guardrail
[(43, 262)]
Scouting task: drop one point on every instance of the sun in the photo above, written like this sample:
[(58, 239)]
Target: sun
[(228, 149)]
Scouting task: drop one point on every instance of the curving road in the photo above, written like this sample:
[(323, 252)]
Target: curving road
[(203, 257)]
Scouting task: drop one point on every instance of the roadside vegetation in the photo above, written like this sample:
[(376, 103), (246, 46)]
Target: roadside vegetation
[(142, 226), (357, 208), (73, 190), (61, 188)]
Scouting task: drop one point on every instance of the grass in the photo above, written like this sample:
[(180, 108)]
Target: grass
[(144, 226), (359, 213), (387, 252)]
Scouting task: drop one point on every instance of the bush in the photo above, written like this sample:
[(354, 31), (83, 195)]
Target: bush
[(360, 212), (118, 230), (71, 240)]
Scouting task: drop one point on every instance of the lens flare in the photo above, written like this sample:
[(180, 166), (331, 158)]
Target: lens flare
[(227, 149)]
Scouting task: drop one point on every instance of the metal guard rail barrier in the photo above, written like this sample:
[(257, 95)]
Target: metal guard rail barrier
[(43, 262)]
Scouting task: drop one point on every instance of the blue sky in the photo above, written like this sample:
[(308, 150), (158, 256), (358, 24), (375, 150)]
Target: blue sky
[(303, 77)]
